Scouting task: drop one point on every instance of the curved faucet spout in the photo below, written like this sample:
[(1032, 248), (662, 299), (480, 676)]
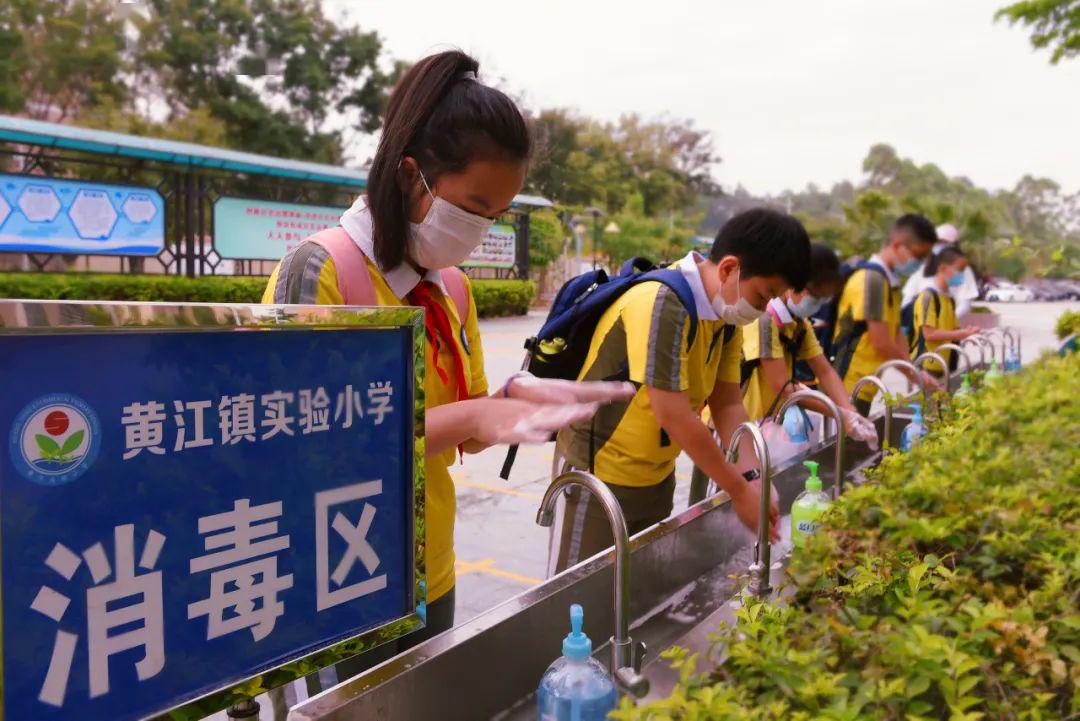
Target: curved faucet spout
[(841, 430), (625, 657), (978, 346), (959, 351), (908, 366), (884, 391), (759, 569)]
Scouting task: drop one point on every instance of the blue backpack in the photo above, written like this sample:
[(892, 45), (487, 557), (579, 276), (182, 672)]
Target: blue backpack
[(561, 346)]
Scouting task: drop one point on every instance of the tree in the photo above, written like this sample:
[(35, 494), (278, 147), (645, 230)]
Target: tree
[(547, 236), (584, 162), (1054, 24), (270, 71), (60, 57)]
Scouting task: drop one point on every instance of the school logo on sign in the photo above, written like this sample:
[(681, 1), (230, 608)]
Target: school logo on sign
[(55, 439)]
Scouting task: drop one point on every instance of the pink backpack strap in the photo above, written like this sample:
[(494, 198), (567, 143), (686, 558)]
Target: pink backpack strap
[(454, 280), (353, 278)]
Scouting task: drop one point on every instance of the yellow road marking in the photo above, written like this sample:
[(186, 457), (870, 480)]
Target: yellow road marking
[(498, 489), (487, 566)]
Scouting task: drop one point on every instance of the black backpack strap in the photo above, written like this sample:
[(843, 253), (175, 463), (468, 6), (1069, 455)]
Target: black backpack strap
[(918, 342), (844, 346)]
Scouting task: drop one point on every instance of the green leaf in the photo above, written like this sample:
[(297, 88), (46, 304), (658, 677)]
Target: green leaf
[(73, 442), (49, 447)]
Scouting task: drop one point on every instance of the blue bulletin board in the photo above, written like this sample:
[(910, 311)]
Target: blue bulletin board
[(48, 215), (183, 509)]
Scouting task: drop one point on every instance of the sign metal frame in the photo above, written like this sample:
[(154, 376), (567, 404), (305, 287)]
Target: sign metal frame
[(19, 317)]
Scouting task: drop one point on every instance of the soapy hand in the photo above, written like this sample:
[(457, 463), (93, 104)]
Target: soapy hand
[(509, 421), (860, 428), (527, 387)]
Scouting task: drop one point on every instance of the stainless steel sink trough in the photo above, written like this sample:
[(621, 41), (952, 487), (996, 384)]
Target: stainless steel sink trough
[(683, 583)]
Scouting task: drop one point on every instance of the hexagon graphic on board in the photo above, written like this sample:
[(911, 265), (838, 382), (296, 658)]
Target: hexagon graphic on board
[(139, 208), (39, 203), (5, 210), (92, 214)]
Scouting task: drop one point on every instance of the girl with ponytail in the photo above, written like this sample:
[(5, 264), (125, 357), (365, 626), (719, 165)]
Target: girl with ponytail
[(452, 156), (934, 310)]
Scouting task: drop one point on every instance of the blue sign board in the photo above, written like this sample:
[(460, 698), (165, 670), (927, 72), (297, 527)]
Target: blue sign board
[(47, 215), (181, 510)]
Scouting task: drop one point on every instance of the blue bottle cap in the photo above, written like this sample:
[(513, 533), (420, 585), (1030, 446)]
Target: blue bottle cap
[(576, 646)]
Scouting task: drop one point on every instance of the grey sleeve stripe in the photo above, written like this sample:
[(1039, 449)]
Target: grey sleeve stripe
[(283, 276), (676, 346), (302, 274), (664, 358), (654, 325), (874, 292), (765, 336)]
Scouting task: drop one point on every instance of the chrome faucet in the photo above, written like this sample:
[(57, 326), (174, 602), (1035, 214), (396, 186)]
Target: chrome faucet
[(971, 340), (908, 366), (884, 391), (983, 339), (759, 569), (626, 656), (841, 431), (959, 354), (920, 361), (1019, 339)]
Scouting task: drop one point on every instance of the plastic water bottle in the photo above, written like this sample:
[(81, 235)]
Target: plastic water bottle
[(576, 687), (808, 508), (1012, 361), (914, 430)]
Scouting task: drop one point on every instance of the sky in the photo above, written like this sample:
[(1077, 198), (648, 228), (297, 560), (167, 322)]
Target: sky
[(793, 92)]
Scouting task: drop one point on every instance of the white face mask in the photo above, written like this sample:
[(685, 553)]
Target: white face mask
[(738, 313), (806, 307), (447, 234)]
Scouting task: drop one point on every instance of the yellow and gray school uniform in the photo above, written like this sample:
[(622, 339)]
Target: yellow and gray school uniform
[(867, 296), (937, 310), (643, 337), (774, 336), (308, 276)]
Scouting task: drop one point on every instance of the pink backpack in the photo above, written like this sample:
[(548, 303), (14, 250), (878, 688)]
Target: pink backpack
[(354, 280)]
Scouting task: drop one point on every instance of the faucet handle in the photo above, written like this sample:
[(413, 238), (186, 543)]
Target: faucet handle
[(638, 652), (632, 682)]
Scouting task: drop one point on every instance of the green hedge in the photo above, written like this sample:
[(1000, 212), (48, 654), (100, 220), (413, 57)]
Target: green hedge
[(947, 588), (493, 297), (503, 297), (1067, 324)]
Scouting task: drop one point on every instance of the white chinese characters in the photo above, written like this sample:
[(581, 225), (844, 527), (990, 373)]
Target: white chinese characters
[(244, 534), (247, 418), (237, 583), (146, 611), (357, 548)]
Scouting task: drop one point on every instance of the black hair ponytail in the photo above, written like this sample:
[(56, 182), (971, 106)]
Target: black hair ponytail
[(946, 256), (439, 114)]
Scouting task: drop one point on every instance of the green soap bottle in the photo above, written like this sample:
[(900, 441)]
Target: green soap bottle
[(808, 508), (994, 373)]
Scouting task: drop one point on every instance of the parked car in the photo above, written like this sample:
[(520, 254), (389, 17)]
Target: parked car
[(1004, 291)]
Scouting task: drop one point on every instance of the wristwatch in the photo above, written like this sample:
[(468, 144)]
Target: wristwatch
[(752, 475)]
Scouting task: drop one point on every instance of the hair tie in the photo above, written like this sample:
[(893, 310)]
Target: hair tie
[(468, 75)]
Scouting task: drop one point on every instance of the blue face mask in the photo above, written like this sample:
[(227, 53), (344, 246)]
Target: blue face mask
[(956, 279), (909, 267)]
